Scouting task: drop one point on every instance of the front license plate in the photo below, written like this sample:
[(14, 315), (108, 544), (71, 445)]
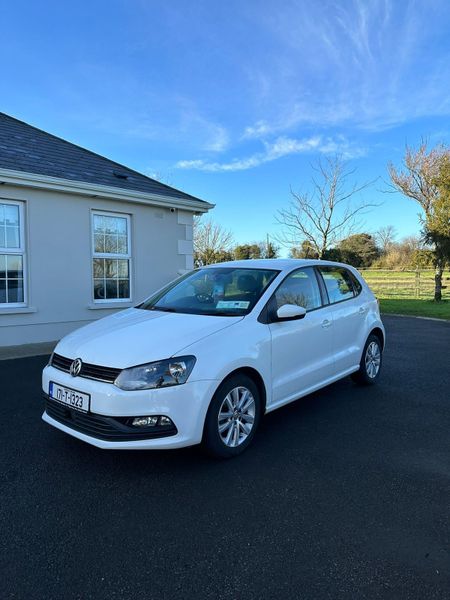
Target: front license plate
[(73, 398)]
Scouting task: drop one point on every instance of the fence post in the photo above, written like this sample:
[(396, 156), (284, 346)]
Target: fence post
[(417, 284)]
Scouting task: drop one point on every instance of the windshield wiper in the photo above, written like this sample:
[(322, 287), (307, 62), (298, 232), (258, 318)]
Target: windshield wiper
[(163, 308), (223, 313)]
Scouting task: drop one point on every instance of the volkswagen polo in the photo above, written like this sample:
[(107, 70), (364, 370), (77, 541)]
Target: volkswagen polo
[(203, 359)]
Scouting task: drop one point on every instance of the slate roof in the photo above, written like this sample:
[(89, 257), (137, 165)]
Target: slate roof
[(26, 148)]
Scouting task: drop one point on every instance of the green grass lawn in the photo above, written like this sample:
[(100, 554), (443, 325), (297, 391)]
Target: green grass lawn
[(418, 308), (405, 293)]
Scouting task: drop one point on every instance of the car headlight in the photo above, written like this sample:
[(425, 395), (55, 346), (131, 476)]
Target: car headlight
[(163, 373)]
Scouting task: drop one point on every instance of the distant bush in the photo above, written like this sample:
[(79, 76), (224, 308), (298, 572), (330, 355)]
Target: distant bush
[(406, 254)]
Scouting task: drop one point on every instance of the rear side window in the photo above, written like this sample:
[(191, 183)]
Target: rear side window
[(301, 288), (338, 282), (356, 284)]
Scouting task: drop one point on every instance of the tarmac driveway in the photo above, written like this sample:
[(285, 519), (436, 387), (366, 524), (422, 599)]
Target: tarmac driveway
[(345, 494)]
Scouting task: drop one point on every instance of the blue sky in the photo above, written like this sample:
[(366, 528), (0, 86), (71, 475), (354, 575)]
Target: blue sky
[(232, 101)]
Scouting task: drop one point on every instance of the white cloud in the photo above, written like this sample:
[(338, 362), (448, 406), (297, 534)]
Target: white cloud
[(258, 130), (218, 139), (365, 65), (282, 146)]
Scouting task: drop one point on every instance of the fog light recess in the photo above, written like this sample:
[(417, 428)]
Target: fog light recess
[(152, 421)]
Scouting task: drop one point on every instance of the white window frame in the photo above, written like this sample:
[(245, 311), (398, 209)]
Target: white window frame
[(18, 252), (94, 255)]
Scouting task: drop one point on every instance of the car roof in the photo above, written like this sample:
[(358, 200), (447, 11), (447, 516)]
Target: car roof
[(280, 264)]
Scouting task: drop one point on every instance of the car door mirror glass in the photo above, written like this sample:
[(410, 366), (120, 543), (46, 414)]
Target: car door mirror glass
[(289, 312)]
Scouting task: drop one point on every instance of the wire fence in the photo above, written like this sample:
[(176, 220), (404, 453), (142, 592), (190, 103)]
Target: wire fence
[(405, 284)]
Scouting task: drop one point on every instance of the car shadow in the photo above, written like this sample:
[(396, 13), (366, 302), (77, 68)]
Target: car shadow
[(289, 428)]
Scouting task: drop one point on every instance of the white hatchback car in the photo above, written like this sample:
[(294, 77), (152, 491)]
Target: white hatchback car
[(205, 357)]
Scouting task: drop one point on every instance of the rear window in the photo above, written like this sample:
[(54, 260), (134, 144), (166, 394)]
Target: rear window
[(339, 283)]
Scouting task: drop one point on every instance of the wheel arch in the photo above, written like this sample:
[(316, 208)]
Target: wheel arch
[(255, 376), (380, 335)]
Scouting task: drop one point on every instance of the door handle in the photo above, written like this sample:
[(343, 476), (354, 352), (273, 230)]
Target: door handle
[(362, 310), (326, 323)]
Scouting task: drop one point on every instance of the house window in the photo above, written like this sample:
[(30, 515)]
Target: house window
[(12, 254), (111, 257)]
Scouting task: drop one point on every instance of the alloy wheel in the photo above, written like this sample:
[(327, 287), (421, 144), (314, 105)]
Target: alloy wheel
[(236, 416), (373, 359)]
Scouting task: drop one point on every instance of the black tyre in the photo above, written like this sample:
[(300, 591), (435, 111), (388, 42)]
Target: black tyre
[(233, 417), (371, 362)]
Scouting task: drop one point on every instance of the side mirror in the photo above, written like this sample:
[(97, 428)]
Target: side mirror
[(290, 312)]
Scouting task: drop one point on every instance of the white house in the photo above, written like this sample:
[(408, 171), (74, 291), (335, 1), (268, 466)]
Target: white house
[(80, 235)]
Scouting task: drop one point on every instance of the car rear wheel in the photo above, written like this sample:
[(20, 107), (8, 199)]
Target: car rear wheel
[(371, 361), (233, 417)]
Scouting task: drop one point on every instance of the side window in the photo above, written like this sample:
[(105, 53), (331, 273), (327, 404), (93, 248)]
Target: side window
[(357, 287), (338, 282), (301, 288)]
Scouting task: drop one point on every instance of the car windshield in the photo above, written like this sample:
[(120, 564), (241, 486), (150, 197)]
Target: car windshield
[(220, 291)]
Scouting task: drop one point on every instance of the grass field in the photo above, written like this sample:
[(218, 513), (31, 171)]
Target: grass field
[(409, 292), (414, 307)]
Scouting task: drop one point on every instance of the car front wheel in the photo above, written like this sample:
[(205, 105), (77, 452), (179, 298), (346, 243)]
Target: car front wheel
[(370, 365), (233, 417)]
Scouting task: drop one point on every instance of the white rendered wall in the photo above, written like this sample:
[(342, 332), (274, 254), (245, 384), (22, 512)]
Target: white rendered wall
[(59, 261)]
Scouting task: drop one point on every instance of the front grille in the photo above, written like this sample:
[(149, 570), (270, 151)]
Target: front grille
[(111, 429), (61, 362), (106, 374)]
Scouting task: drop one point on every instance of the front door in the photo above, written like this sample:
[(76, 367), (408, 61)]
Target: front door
[(302, 351)]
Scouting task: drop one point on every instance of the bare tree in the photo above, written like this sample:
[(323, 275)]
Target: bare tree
[(385, 237), (327, 214), (420, 174), (421, 180), (212, 243)]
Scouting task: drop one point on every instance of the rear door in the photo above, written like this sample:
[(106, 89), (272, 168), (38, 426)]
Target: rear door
[(349, 311), (302, 351)]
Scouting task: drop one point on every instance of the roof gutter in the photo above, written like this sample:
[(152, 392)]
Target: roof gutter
[(69, 186)]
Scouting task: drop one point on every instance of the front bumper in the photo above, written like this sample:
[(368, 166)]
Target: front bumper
[(186, 405), (109, 429)]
